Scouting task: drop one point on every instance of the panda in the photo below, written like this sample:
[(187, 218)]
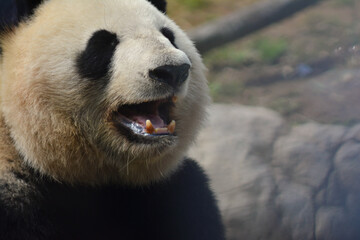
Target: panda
[(100, 100)]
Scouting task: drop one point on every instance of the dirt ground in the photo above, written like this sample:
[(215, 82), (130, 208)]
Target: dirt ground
[(302, 67)]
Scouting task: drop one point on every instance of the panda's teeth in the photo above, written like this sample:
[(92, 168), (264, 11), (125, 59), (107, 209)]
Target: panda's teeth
[(149, 127), (151, 130), (161, 130), (171, 127)]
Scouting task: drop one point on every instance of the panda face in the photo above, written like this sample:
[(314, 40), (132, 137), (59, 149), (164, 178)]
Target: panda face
[(102, 90)]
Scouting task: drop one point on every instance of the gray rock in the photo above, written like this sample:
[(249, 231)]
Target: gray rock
[(335, 193), (352, 203), (235, 149), (347, 162), (272, 184), (326, 137), (331, 224), (354, 133), (332, 96), (236, 143), (305, 154), (295, 203), (320, 197), (353, 215), (258, 222)]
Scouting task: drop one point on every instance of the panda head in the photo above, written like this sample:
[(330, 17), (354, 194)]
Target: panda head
[(97, 91)]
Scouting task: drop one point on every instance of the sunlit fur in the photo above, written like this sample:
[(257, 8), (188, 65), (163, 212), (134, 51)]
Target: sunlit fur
[(59, 123)]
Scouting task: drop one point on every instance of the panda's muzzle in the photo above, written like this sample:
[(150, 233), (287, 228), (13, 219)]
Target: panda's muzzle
[(149, 119)]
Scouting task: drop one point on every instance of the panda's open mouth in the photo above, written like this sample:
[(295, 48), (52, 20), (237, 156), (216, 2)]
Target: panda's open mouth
[(150, 119)]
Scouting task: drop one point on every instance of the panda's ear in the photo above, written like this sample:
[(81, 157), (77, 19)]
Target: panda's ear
[(159, 4), (13, 11)]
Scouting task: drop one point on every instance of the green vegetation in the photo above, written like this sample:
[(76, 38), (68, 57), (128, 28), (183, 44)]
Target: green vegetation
[(264, 50), (285, 106), (270, 49), (221, 91), (193, 4), (215, 88), (229, 55)]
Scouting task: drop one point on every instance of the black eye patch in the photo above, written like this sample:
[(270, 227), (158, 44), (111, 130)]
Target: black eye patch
[(94, 62), (169, 35)]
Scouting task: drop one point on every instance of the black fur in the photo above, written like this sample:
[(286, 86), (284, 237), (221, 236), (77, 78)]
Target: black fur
[(159, 4), (94, 62), (14, 11), (181, 208), (169, 35), (8, 14), (26, 7)]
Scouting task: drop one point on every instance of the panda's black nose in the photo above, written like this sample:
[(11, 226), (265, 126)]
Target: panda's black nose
[(171, 74)]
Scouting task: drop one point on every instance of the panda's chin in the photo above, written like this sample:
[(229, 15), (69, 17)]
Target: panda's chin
[(146, 122)]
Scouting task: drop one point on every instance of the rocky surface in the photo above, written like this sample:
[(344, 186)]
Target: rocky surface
[(275, 181), (332, 96)]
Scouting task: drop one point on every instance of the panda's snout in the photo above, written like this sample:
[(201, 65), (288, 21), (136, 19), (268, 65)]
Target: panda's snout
[(173, 75)]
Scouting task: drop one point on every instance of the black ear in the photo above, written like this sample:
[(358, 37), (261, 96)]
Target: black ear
[(159, 4), (13, 11)]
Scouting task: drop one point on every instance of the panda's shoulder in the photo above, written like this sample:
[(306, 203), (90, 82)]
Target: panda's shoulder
[(185, 201), (188, 180), (20, 201), (17, 181), (191, 172), (18, 191)]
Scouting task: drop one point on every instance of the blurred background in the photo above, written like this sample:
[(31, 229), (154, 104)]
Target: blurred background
[(282, 141)]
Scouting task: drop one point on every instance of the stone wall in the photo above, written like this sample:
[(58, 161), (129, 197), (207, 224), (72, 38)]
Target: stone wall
[(275, 181)]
